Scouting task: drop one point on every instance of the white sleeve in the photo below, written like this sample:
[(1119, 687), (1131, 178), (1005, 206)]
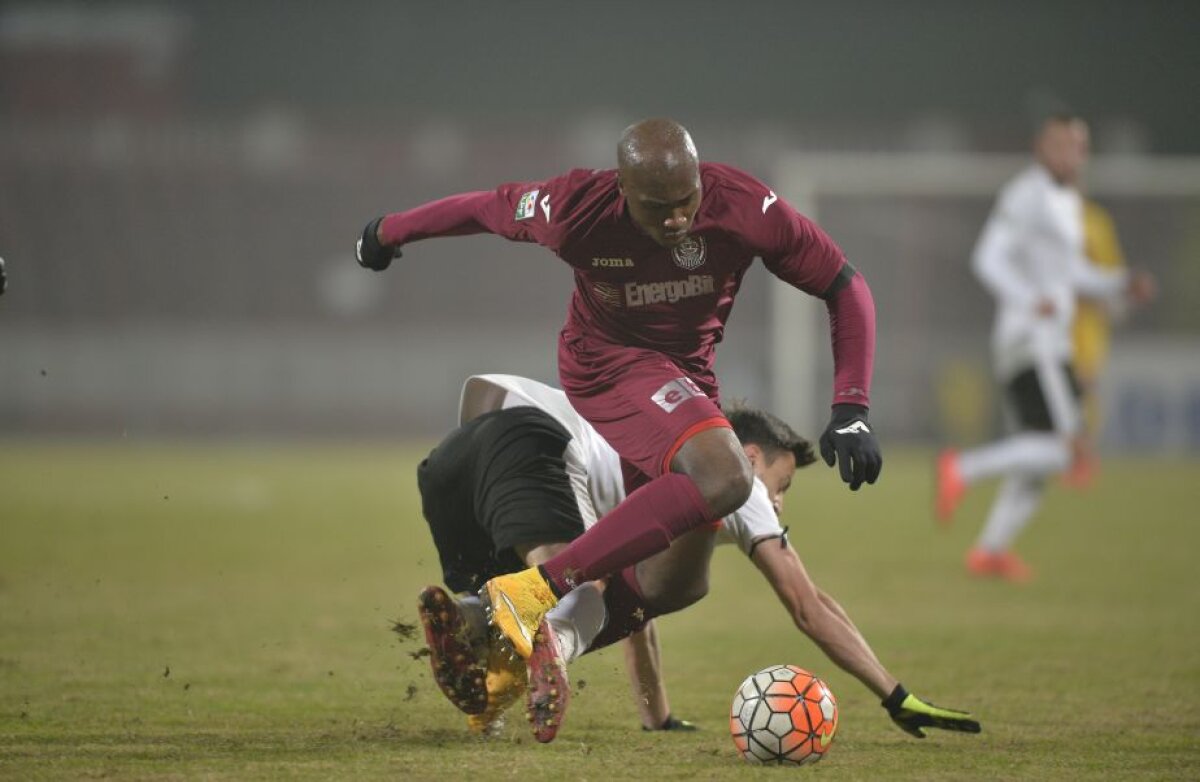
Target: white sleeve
[(754, 521), (1107, 285), (993, 259)]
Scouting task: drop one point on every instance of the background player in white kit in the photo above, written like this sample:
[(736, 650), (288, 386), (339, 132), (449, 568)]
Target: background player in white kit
[(515, 405), (1030, 257)]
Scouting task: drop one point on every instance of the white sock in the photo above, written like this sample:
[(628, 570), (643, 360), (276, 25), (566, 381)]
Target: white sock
[(1031, 454), (578, 619), (1015, 503)]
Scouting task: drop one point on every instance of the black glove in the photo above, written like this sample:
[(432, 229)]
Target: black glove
[(371, 254), (670, 723), (3, 278), (851, 443), (911, 714)]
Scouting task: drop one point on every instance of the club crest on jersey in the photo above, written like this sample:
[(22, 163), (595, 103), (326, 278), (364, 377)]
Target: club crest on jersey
[(689, 254), (675, 393), (527, 206)]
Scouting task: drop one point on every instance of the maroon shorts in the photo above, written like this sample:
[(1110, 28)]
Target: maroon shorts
[(642, 402)]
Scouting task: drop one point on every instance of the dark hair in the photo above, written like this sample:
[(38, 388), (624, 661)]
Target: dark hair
[(758, 427)]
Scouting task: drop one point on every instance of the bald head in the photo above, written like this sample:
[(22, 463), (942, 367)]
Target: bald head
[(656, 145), (658, 171)]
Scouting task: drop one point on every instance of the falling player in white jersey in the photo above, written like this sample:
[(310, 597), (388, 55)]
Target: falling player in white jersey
[(1030, 257), (523, 475)]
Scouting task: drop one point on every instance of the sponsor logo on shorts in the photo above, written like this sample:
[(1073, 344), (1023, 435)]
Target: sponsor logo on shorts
[(639, 294), (675, 393), (527, 206), (689, 254)]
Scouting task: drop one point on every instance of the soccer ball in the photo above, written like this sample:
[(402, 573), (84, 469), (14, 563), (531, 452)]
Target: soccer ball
[(783, 715)]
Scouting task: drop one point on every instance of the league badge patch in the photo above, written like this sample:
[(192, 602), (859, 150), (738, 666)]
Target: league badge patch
[(689, 254), (527, 206)]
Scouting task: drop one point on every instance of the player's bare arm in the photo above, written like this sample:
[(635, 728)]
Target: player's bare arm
[(823, 620), (643, 662), (814, 616)]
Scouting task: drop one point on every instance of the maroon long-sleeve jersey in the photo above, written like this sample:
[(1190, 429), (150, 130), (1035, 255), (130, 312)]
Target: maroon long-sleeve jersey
[(632, 291)]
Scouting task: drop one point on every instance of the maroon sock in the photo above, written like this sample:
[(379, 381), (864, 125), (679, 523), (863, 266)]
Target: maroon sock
[(640, 527), (627, 609)]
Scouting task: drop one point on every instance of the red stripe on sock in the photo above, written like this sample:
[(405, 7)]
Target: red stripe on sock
[(694, 429)]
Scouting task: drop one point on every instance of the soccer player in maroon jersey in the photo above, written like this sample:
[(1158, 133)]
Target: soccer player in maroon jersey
[(658, 247)]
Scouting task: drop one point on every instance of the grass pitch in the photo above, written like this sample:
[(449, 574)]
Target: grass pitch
[(223, 612)]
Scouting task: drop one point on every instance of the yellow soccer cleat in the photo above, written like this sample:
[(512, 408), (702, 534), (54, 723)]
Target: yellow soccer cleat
[(506, 683), (517, 604)]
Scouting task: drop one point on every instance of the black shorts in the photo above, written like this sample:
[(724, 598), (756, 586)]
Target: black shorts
[(1027, 398), (495, 483)]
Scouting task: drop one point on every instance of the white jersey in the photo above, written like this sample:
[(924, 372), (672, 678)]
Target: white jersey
[(1032, 249), (593, 467)]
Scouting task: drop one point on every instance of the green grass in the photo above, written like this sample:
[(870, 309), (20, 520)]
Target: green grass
[(222, 612)]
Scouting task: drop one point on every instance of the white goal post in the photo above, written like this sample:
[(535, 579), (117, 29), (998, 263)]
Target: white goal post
[(804, 178)]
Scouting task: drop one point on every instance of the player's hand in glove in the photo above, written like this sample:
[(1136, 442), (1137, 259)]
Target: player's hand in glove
[(370, 253), (849, 441), (911, 714)]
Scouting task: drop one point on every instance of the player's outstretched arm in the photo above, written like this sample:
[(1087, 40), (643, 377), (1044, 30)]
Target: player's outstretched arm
[(643, 661), (820, 618), (456, 215), (513, 211)]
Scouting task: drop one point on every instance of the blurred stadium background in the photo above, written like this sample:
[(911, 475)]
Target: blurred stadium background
[(181, 184)]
